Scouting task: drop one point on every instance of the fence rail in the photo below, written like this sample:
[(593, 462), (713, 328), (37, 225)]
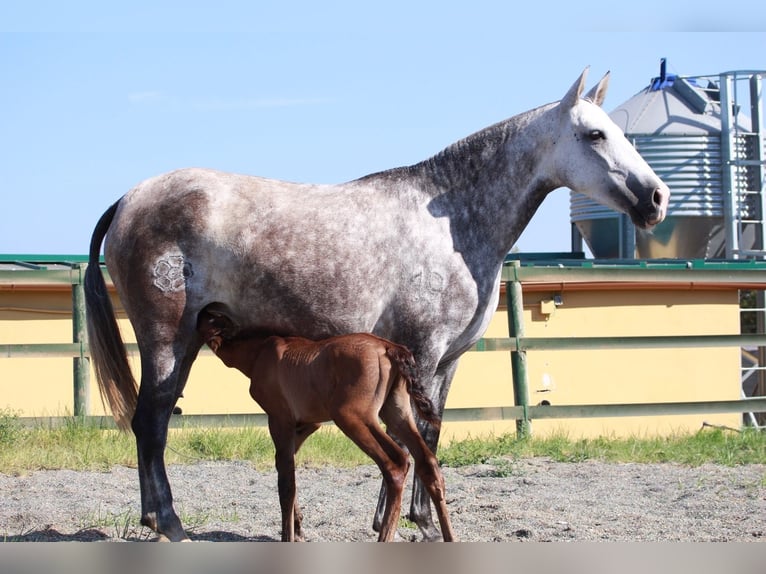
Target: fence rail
[(508, 413), (517, 344)]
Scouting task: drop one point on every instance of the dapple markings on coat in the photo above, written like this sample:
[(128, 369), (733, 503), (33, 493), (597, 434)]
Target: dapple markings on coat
[(412, 254), (351, 380)]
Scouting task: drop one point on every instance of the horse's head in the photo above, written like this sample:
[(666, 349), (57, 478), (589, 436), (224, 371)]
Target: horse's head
[(592, 156)]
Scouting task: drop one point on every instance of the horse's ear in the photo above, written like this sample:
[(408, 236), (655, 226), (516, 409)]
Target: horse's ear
[(573, 95), (598, 92)]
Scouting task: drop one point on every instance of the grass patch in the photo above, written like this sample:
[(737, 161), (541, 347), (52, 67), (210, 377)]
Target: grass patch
[(330, 447), (79, 445), (125, 524), (325, 447), (74, 445), (716, 446), (195, 444)]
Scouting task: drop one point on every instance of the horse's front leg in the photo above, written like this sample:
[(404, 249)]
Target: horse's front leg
[(420, 506)]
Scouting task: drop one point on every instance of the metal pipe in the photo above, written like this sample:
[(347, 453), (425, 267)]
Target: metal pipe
[(521, 344), (515, 303), (463, 414), (41, 350), (728, 155), (81, 363)]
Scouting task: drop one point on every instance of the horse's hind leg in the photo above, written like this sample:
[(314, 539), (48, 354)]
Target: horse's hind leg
[(163, 375)]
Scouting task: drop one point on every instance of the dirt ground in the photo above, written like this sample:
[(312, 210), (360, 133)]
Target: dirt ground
[(511, 500)]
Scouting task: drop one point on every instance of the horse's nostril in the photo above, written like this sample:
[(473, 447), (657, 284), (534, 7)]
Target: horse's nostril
[(658, 197)]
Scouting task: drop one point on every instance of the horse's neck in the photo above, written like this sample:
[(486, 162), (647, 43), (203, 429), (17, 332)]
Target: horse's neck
[(491, 182)]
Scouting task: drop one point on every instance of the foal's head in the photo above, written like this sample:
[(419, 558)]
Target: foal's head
[(213, 328), (219, 332), (236, 347)]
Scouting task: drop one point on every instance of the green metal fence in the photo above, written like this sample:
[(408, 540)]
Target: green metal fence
[(67, 272), (752, 274)]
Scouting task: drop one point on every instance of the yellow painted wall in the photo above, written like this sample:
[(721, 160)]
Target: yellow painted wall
[(43, 386), (36, 386), (612, 376)]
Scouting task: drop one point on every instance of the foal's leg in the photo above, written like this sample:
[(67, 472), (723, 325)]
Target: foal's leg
[(302, 432), (390, 458), (420, 506), (283, 434), (397, 415)]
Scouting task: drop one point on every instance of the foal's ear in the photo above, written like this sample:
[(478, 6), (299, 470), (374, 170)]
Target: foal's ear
[(573, 95), (598, 92)]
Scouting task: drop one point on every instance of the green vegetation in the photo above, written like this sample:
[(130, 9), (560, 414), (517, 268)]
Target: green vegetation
[(713, 445), (78, 445)]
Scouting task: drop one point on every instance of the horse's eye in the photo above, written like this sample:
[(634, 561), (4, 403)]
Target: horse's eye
[(596, 135)]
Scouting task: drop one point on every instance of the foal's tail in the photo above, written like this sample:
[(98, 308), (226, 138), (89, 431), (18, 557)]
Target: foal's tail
[(405, 363), (107, 350)]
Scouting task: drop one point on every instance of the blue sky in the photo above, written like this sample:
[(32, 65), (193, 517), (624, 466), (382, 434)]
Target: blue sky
[(95, 97)]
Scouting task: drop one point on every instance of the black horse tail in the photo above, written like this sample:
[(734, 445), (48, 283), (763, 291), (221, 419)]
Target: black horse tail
[(110, 360), (405, 364)]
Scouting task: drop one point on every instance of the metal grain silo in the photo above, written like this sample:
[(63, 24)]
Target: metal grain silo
[(695, 134)]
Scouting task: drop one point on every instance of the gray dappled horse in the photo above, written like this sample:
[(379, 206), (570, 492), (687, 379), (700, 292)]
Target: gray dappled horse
[(412, 254)]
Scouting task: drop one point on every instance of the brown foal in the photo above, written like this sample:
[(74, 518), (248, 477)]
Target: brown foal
[(352, 380)]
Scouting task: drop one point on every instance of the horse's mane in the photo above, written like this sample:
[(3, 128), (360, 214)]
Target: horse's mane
[(455, 162)]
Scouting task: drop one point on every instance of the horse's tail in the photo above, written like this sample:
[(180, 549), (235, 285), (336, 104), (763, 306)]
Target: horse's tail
[(107, 350), (405, 364)]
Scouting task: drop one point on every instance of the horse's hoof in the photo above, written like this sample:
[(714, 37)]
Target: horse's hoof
[(431, 534), (163, 538)]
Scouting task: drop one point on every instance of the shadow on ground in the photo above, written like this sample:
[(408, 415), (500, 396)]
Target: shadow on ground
[(95, 535)]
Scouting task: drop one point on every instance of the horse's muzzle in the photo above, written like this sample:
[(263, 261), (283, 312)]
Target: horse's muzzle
[(660, 199), (654, 211)]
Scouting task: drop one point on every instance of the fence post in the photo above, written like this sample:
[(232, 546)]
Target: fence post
[(514, 298), (81, 364)]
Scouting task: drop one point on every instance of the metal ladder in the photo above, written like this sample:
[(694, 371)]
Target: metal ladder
[(744, 181), (743, 165)]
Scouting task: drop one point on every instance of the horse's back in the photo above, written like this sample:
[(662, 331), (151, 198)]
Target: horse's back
[(224, 219), (197, 200), (197, 236)]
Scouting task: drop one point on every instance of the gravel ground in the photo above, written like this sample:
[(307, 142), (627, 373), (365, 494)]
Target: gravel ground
[(521, 500)]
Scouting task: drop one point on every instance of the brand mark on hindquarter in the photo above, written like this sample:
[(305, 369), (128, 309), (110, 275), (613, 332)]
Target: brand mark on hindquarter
[(170, 273), (427, 284)]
